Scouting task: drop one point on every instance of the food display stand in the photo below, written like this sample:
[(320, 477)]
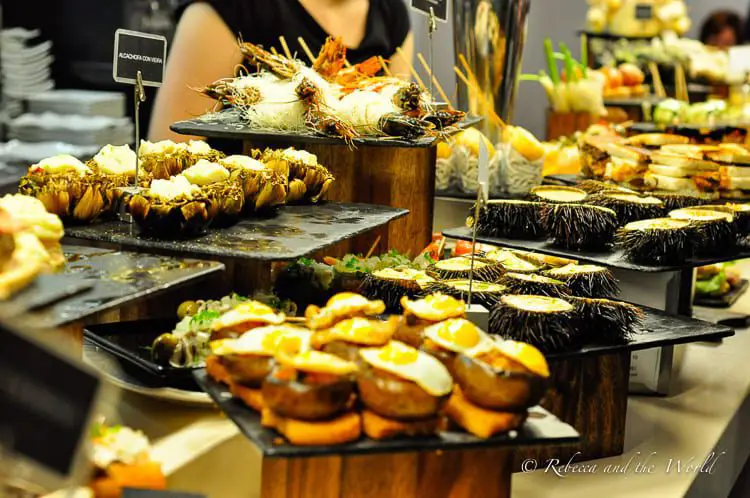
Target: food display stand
[(390, 172), (603, 380), (103, 284)]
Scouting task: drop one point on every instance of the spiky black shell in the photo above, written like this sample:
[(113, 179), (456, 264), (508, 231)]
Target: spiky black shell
[(676, 200), (533, 285), (391, 284), (602, 321), (557, 195), (544, 322), (741, 213), (485, 293), (597, 187), (661, 241), (629, 207), (586, 280), (510, 219), (715, 230), (580, 226), (511, 262), (461, 268)]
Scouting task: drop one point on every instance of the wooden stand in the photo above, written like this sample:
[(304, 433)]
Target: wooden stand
[(482, 473), (402, 177), (591, 394)]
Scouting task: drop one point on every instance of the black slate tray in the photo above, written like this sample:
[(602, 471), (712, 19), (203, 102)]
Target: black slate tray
[(657, 330), (113, 278), (632, 101), (612, 259), (541, 428), (293, 232), (725, 301), (227, 125), (129, 343)]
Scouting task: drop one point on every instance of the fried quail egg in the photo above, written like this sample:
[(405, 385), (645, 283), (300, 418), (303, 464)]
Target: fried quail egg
[(411, 364), (435, 307), (460, 336), (249, 312), (265, 341), (317, 362)]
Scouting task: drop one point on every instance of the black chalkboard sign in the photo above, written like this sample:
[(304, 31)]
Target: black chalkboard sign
[(439, 7), (644, 11), (150, 493), (47, 400), (144, 52)]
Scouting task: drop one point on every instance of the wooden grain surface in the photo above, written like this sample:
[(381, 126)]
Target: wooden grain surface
[(453, 474), (591, 394), (396, 177)]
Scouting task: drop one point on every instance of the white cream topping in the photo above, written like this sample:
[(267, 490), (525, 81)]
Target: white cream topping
[(176, 186), (243, 162), (206, 173), (119, 444), (63, 163), (198, 147), (163, 147), (300, 156), (116, 160)]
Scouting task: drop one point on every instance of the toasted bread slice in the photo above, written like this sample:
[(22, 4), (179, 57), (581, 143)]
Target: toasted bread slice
[(670, 184), (628, 153), (735, 171), (216, 370), (340, 430), (689, 164), (652, 140), (479, 421), (377, 427), (253, 398), (737, 183)]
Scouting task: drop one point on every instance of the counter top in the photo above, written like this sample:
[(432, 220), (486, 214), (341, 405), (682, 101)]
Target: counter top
[(703, 426)]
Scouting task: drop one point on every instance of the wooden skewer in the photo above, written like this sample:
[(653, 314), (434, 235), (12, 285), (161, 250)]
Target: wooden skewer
[(413, 71), (496, 120), (285, 47), (347, 63), (468, 70), (385, 67), (441, 247), (306, 49), (296, 319), (372, 248), (273, 51), (434, 79), (658, 85)]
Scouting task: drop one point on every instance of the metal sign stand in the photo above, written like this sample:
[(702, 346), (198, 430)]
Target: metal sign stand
[(431, 28), (139, 94)]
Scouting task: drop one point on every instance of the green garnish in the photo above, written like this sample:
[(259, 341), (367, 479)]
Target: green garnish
[(305, 261), (204, 316)]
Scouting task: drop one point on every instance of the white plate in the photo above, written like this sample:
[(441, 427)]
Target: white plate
[(110, 368)]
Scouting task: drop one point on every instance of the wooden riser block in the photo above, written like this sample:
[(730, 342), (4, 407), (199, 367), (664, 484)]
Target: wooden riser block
[(452, 474), (396, 177), (591, 394)]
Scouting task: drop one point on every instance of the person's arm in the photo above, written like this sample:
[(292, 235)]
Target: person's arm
[(399, 63), (203, 51)]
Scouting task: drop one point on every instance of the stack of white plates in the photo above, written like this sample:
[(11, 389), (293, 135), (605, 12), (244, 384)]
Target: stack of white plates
[(71, 129), (25, 64), (16, 152), (80, 102)]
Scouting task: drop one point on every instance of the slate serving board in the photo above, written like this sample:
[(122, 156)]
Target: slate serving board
[(725, 301), (541, 428), (658, 329), (228, 125), (109, 279), (612, 259), (293, 232)]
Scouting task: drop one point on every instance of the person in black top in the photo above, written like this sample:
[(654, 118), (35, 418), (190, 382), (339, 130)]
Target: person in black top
[(205, 44)]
